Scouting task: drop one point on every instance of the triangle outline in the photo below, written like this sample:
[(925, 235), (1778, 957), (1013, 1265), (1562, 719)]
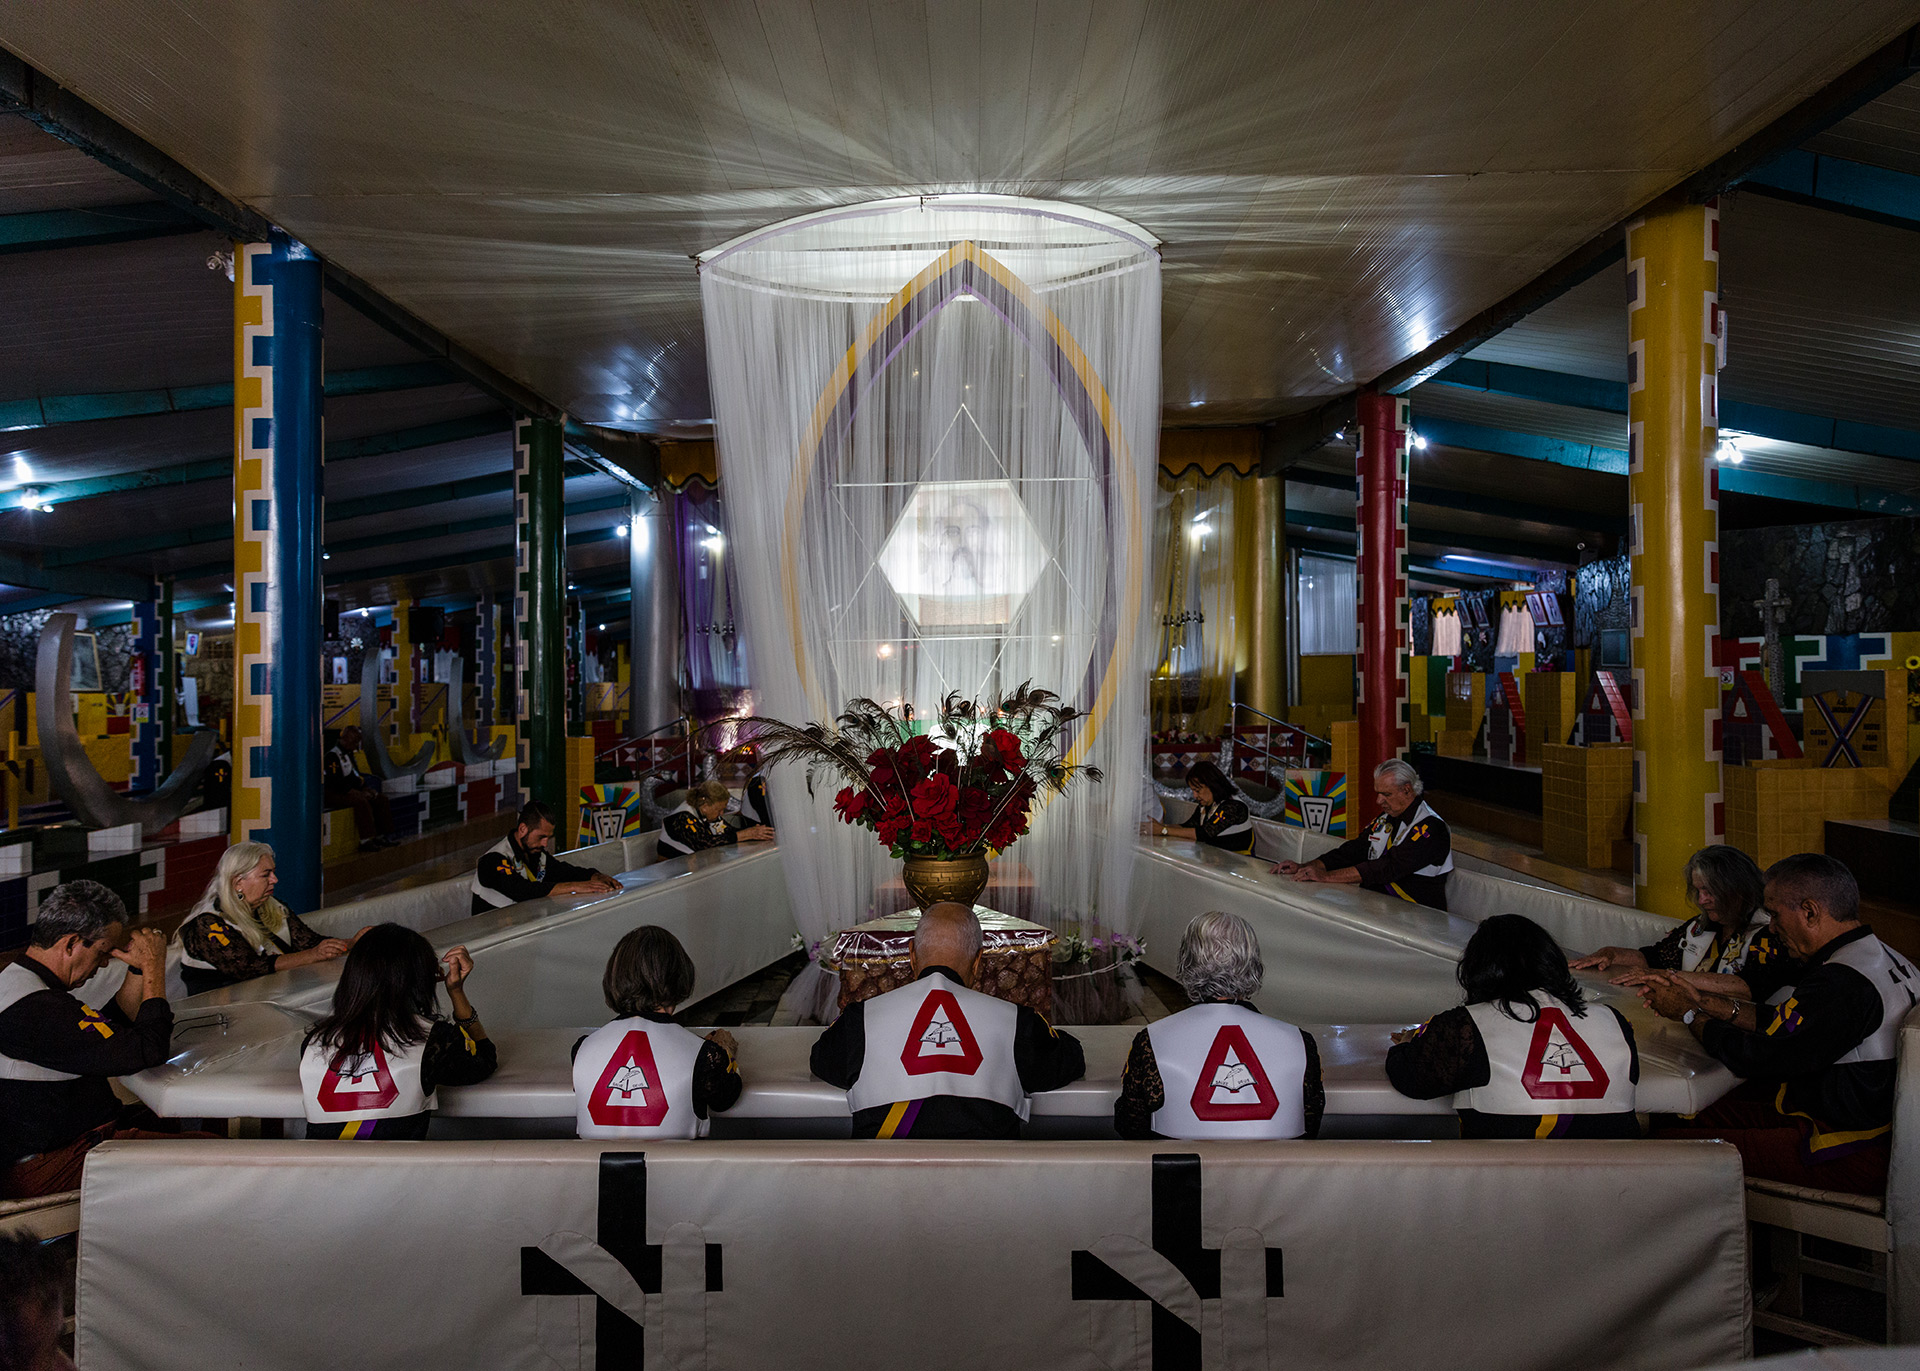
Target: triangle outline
[(337, 1101), (918, 1064), (636, 1050), (1267, 1103), (1552, 1018)]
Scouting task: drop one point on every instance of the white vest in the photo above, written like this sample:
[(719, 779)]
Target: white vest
[(274, 947), (716, 828), (1894, 979), (1229, 1072), (16, 983), (1556, 1064), (504, 848), (936, 1037), (1390, 831), (633, 1078), (339, 1088), (1698, 942)]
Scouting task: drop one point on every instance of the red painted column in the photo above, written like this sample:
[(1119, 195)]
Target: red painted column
[(1380, 590)]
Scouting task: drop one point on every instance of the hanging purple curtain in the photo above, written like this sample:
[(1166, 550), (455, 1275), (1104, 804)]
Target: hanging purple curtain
[(716, 655)]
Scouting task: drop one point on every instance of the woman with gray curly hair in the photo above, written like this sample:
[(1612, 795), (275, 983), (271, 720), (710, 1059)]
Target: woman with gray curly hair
[(1221, 1069)]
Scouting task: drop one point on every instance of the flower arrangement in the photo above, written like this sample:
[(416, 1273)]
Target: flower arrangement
[(1091, 980), (964, 787)]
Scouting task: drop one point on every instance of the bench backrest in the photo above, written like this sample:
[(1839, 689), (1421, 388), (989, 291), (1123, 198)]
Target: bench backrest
[(833, 1255)]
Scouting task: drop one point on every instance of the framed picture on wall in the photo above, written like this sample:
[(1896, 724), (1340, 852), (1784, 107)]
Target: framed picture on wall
[(86, 663)]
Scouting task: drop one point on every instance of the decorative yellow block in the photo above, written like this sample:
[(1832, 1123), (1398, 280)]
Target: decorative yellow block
[(1586, 801), (1776, 809), (1345, 737)]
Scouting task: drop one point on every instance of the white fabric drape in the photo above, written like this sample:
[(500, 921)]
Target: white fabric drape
[(1327, 612), (1446, 633), (937, 422)]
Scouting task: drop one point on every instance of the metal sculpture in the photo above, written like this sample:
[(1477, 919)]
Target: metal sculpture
[(374, 737), (71, 772), (465, 750)]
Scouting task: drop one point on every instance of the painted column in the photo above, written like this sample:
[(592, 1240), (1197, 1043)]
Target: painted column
[(167, 676), (486, 676), (653, 575), (576, 668), (1674, 335), (149, 768), (406, 714), (539, 614), (276, 552), (1380, 589), (1261, 551)]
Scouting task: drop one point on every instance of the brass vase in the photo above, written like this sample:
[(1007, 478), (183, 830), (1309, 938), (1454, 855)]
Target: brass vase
[(934, 880)]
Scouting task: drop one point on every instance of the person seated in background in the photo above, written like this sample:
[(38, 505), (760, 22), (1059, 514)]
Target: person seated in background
[(238, 931), (58, 1055), (755, 808), (1221, 1069), (1730, 932), (1820, 1067), (371, 1068), (936, 1058), (701, 822), (521, 866), (1406, 851), (1524, 1057), (32, 1305), (346, 786), (643, 1076), (1221, 818)]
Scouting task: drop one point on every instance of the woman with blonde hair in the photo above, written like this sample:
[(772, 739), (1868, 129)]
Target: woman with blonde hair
[(700, 823), (239, 931)]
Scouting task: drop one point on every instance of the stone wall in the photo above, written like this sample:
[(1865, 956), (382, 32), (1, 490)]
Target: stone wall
[(20, 650), (1861, 576)]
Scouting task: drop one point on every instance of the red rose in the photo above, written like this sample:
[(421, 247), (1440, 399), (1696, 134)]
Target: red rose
[(922, 831), (935, 796), (1006, 749), (850, 804), (889, 830)]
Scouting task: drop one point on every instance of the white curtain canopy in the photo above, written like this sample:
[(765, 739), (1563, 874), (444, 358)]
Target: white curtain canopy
[(937, 420)]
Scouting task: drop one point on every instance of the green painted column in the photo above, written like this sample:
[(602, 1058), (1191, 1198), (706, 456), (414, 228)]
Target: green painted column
[(168, 669), (539, 615)]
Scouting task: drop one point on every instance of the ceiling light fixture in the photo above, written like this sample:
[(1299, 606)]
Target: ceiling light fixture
[(1420, 441)]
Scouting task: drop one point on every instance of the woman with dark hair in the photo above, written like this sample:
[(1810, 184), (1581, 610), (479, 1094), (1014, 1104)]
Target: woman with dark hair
[(643, 1076), (1221, 819), (1523, 1057), (370, 1069), (1729, 934)]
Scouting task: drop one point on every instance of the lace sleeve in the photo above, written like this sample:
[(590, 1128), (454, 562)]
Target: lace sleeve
[(1447, 1056)]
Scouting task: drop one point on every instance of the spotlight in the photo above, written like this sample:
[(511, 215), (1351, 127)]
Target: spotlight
[(1420, 441), (886, 650), (619, 530)]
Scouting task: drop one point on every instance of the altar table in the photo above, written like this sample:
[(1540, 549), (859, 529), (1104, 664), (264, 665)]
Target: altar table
[(1016, 964)]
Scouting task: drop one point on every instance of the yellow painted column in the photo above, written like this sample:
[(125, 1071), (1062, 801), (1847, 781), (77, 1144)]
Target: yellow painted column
[(1260, 543), (1674, 334)]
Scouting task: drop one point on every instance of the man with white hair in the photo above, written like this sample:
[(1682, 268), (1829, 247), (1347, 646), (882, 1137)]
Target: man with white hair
[(1406, 851), (1221, 1069), (938, 1059)]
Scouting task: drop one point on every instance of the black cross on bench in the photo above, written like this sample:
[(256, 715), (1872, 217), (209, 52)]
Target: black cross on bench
[(618, 1339), (1843, 734), (1176, 1236)]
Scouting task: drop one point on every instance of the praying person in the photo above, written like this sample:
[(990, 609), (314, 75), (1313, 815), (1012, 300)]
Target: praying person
[(643, 1076), (1820, 1068), (239, 932), (1407, 851), (1525, 1056), (700, 823), (521, 866), (1221, 1068), (1221, 818), (58, 1055), (938, 1059), (371, 1068)]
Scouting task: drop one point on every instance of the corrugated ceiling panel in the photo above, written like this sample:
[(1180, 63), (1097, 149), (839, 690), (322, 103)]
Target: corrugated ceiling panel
[(1886, 133), (39, 172), (1368, 197)]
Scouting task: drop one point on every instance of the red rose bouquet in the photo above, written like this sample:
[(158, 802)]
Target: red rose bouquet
[(965, 787)]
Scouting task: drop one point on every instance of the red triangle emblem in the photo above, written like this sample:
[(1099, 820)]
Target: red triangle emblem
[(629, 1093), (364, 1085), (1233, 1083), (1560, 1065), (941, 1039)]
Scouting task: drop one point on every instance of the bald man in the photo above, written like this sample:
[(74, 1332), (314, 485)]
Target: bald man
[(937, 1059)]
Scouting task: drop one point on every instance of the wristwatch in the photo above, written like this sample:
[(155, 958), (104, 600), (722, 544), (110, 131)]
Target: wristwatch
[(1688, 1017)]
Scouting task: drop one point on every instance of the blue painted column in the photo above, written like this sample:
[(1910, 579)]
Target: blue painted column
[(277, 456)]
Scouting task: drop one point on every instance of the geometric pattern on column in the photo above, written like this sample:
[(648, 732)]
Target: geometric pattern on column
[(1381, 602), (1676, 346)]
